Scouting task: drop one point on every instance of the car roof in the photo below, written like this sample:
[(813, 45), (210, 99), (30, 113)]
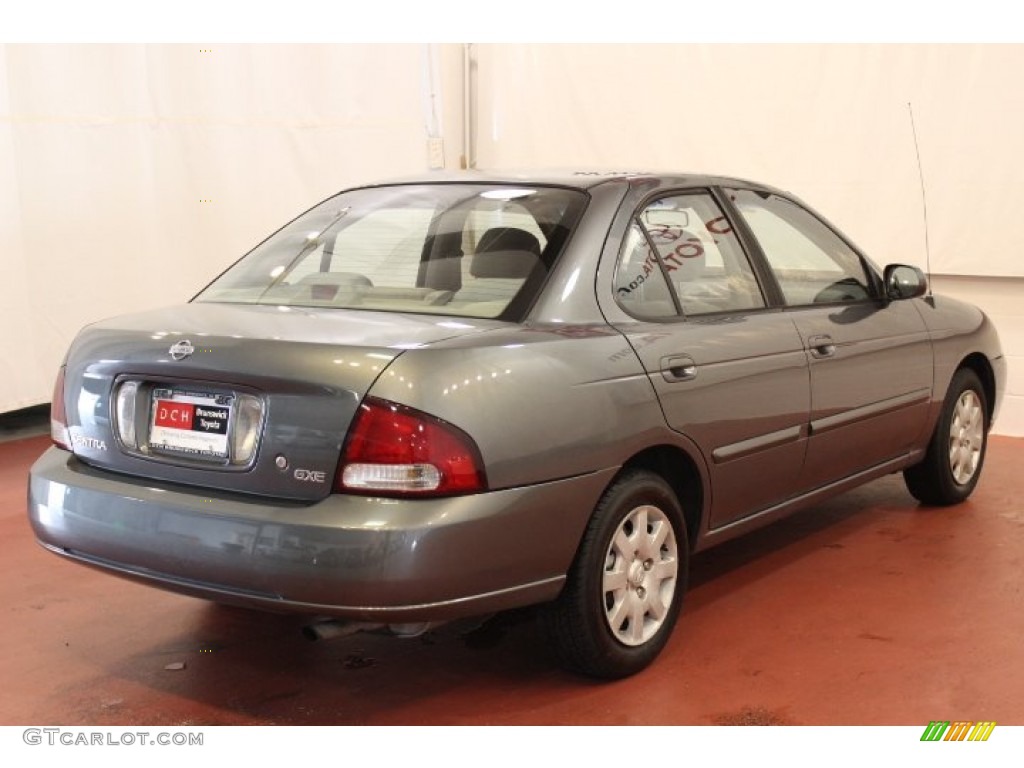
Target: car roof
[(577, 179)]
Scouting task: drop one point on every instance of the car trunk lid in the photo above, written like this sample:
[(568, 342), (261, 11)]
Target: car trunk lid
[(172, 394)]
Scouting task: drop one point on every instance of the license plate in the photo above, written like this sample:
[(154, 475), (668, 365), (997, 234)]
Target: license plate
[(192, 423)]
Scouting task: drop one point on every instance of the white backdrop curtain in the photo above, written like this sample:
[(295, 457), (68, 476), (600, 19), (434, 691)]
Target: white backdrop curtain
[(827, 122), (130, 175)]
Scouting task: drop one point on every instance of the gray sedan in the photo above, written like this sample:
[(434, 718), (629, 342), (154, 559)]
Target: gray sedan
[(455, 395)]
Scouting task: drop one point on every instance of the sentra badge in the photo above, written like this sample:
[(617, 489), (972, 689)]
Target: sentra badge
[(81, 441), (182, 349)]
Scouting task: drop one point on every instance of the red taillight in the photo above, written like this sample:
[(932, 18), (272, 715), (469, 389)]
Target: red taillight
[(396, 450), (58, 416)]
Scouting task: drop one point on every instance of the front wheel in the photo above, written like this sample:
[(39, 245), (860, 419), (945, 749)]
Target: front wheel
[(952, 465), (625, 588)]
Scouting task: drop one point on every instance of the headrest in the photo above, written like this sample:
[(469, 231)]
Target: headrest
[(505, 252), (325, 286)]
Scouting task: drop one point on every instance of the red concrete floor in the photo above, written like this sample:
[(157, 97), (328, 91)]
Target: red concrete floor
[(864, 610)]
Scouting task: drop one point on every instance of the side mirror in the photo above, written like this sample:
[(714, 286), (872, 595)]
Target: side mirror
[(902, 281)]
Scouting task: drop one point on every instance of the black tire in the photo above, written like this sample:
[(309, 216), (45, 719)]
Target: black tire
[(956, 451), (652, 567)]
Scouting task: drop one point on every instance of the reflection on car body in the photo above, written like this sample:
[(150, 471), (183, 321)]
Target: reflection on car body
[(460, 394)]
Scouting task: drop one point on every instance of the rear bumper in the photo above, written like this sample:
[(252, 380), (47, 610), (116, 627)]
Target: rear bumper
[(353, 557)]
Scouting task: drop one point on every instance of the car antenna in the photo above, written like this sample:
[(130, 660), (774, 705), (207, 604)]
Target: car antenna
[(924, 202)]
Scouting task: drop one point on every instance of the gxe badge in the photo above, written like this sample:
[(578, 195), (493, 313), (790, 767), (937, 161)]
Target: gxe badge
[(182, 349)]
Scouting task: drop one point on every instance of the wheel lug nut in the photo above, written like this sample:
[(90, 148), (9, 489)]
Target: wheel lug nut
[(640, 592), (648, 564)]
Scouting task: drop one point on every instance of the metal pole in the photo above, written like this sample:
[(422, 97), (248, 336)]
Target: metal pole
[(468, 160)]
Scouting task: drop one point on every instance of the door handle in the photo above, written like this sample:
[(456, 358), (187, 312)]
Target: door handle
[(821, 346), (678, 368)]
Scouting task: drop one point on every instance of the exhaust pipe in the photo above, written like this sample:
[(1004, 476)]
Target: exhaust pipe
[(331, 629), (411, 630), (334, 628)]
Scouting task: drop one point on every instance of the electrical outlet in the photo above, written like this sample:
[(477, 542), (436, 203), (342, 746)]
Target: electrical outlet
[(435, 152)]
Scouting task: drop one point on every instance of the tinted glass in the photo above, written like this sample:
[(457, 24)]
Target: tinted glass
[(811, 263), (453, 249), (706, 267), (639, 280)]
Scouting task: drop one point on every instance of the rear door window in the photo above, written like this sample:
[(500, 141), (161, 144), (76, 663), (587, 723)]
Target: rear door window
[(681, 255)]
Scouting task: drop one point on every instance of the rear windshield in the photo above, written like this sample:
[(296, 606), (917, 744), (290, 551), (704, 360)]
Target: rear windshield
[(470, 250)]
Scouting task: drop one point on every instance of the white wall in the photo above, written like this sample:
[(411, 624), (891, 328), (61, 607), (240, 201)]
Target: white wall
[(829, 123), (1003, 301), (130, 175)]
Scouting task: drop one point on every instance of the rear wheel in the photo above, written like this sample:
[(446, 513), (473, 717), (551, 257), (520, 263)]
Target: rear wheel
[(625, 588), (952, 465)]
